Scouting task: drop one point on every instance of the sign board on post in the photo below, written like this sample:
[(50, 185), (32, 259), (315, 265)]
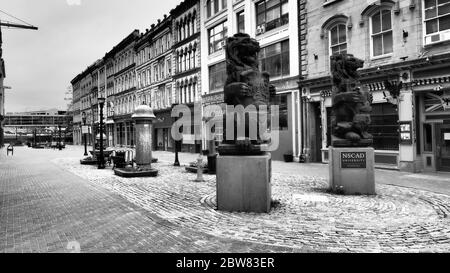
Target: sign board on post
[(85, 129), (353, 160), (406, 132)]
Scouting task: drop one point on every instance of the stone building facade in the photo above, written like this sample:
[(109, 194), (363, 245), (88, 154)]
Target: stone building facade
[(186, 64), (403, 41), (274, 24)]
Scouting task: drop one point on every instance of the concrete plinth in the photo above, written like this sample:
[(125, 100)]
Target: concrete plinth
[(352, 171), (244, 183), (132, 172)]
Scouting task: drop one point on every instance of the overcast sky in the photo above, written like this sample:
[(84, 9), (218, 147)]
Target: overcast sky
[(72, 35)]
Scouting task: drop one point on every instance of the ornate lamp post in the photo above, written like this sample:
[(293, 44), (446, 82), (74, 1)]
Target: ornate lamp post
[(177, 144), (101, 160), (84, 134)]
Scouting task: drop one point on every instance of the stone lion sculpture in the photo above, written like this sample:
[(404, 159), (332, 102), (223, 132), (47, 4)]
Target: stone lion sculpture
[(351, 105), (246, 85)]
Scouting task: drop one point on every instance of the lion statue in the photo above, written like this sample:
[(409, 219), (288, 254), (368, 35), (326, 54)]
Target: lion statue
[(245, 85), (351, 105), (344, 71)]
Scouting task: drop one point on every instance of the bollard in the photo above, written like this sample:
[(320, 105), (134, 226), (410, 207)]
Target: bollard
[(199, 169)]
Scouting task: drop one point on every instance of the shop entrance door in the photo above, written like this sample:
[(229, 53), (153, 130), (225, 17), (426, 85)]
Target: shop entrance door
[(443, 147), (166, 139)]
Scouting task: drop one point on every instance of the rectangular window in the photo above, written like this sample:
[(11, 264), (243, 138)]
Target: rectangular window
[(271, 14), (217, 36), (240, 22), (217, 76), (275, 59), (282, 101), (338, 39), (384, 127), (381, 30), (436, 19), (216, 6)]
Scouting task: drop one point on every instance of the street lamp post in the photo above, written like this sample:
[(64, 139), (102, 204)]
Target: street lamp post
[(101, 160), (84, 134), (177, 143)]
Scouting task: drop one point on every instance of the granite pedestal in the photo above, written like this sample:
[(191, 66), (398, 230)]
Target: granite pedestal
[(244, 183), (352, 171)]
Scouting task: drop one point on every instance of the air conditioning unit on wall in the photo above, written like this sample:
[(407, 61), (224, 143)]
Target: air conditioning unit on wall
[(439, 37), (260, 29)]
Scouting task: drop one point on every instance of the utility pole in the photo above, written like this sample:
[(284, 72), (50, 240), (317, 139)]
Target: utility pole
[(2, 70)]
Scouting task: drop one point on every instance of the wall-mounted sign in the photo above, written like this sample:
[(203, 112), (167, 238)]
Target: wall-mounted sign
[(85, 129), (353, 160), (446, 136), (406, 132)]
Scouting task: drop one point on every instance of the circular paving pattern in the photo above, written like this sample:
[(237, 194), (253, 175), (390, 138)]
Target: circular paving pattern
[(305, 216)]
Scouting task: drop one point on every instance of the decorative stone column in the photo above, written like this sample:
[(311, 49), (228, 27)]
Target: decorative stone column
[(143, 118)]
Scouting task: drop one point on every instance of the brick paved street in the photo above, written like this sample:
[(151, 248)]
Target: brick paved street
[(55, 200), (44, 207)]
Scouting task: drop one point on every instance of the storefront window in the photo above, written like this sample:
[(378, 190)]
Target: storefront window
[(384, 127), (282, 101)]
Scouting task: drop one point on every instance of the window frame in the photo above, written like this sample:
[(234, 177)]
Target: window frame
[(330, 46), (279, 6), (424, 24), (213, 9), (224, 29), (238, 25), (379, 11), (212, 90), (281, 76)]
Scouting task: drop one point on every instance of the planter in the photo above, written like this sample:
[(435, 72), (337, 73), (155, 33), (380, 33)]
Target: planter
[(288, 158)]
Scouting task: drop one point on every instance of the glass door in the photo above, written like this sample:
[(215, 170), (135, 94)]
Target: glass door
[(443, 147)]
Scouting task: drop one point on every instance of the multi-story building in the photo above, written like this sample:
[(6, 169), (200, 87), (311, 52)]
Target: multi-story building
[(121, 96), (186, 64), (403, 41), (77, 118), (274, 24), (161, 85), (44, 124)]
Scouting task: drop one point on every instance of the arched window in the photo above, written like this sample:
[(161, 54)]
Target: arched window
[(381, 32), (338, 39), (193, 22), (193, 58), (130, 105)]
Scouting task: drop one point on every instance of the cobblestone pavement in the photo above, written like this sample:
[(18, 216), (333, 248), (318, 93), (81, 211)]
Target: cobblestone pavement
[(436, 182), (54, 200), (398, 219), (44, 208)]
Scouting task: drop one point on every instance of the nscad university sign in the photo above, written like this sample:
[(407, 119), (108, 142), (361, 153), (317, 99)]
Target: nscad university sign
[(353, 160)]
